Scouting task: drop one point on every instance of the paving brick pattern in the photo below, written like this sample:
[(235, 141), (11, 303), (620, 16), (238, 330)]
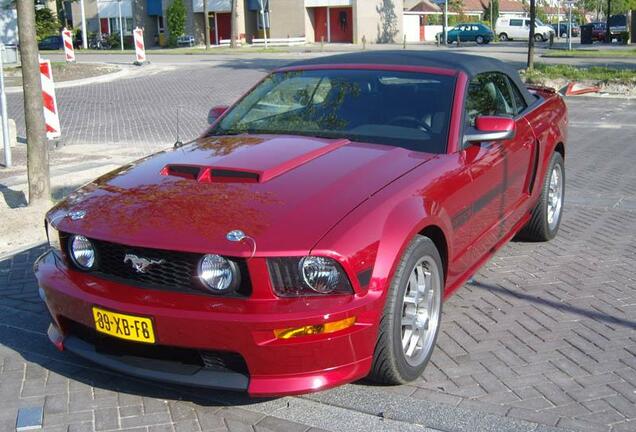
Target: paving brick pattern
[(545, 333), (142, 111)]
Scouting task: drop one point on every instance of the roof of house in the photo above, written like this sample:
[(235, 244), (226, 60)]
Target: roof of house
[(425, 6), (504, 5), (469, 64)]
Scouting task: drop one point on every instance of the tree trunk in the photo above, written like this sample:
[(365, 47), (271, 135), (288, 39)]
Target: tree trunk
[(37, 147), (234, 38), (206, 24), (533, 14), (608, 38)]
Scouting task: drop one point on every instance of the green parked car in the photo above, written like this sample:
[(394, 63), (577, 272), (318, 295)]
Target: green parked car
[(469, 32)]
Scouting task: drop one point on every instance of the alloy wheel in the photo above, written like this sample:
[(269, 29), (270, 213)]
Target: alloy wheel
[(555, 196), (420, 311)]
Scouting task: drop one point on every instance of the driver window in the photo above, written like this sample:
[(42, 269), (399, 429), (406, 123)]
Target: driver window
[(488, 95)]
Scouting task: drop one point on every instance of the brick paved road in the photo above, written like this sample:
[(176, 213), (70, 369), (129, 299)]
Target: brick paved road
[(546, 333)]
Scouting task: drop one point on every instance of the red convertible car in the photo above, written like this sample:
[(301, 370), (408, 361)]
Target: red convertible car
[(311, 235)]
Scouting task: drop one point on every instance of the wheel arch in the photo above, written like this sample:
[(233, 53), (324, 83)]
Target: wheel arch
[(560, 148), (437, 236)]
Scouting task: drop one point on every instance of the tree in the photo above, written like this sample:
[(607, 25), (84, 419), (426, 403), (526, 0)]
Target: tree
[(37, 148), (234, 23), (533, 16), (388, 26), (491, 17), (46, 24), (206, 23), (176, 14)]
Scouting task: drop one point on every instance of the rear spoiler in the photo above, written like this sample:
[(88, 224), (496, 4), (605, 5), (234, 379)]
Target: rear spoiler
[(542, 89)]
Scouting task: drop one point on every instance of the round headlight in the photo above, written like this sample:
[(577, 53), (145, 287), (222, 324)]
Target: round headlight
[(82, 252), (320, 274), (218, 273)]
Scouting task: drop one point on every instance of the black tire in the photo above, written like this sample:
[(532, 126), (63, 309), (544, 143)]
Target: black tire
[(390, 364), (538, 228), (503, 37), (479, 39), (539, 38), (564, 35)]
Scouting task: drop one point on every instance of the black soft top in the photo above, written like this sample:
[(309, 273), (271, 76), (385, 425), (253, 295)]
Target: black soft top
[(469, 64)]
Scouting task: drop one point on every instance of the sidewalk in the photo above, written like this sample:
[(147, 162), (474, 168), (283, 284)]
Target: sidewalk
[(71, 167)]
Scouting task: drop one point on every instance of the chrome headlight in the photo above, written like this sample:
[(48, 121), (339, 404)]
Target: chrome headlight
[(81, 251), (53, 237), (308, 276), (218, 274)]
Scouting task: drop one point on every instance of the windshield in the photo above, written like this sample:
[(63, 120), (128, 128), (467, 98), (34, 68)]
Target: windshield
[(403, 109)]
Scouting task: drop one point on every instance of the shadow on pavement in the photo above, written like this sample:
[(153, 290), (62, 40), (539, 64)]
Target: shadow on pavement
[(23, 324), (562, 307)]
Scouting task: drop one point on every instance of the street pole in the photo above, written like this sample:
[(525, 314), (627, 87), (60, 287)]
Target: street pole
[(5, 118), (262, 3), (37, 147), (84, 36), (559, 19), (445, 22), (121, 27), (570, 29)]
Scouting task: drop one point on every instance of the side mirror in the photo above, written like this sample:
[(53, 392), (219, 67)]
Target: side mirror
[(491, 128), (216, 112)]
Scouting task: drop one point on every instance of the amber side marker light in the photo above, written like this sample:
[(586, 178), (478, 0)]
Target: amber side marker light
[(330, 327)]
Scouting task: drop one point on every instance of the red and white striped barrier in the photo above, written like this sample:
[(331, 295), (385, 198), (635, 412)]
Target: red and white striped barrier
[(140, 50), (69, 51), (51, 116)]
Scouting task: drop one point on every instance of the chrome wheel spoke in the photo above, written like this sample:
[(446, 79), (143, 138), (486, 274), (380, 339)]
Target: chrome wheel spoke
[(420, 311)]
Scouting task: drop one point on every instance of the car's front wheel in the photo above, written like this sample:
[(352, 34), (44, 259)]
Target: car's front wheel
[(539, 38), (410, 322), (564, 35), (546, 215)]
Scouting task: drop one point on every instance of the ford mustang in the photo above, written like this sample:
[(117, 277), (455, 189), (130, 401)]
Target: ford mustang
[(310, 236)]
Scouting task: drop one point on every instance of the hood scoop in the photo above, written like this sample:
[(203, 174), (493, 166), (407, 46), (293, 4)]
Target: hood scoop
[(206, 174), (262, 163)]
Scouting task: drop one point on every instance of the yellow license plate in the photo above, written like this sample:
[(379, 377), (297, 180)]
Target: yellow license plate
[(122, 326)]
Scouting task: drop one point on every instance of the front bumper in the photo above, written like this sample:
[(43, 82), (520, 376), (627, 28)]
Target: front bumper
[(202, 323)]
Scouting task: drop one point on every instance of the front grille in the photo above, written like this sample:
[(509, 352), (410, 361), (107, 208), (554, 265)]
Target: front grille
[(211, 360), (177, 270)]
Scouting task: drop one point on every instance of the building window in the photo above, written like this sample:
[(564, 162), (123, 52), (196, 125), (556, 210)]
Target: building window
[(128, 25)]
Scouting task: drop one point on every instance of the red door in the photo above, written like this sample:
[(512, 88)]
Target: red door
[(224, 22), (341, 23), (103, 25), (320, 24)]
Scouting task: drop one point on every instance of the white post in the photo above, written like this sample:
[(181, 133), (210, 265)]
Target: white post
[(445, 22), (328, 26), (121, 27), (5, 118), (84, 37), (570, 30)]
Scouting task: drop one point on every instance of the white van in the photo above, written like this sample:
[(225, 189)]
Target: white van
[(508, 28)]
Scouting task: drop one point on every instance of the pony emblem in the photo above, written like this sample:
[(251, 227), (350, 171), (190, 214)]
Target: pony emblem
[(141, 264)]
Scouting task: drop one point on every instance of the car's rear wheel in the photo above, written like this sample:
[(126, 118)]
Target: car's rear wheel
[(503, 37), (538, 38), (546, 216), (410, 322), (479, 39)]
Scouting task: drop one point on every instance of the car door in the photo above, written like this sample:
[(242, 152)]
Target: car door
[(476, 226), (467, 34), (516, 29)]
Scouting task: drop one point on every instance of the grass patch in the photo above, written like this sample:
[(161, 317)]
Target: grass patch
[(592, 53), (595, 73)]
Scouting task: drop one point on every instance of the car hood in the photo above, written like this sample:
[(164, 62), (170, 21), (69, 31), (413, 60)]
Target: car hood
[(285, 192)]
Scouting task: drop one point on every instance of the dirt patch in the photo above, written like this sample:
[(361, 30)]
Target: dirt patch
[(63, 72)]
